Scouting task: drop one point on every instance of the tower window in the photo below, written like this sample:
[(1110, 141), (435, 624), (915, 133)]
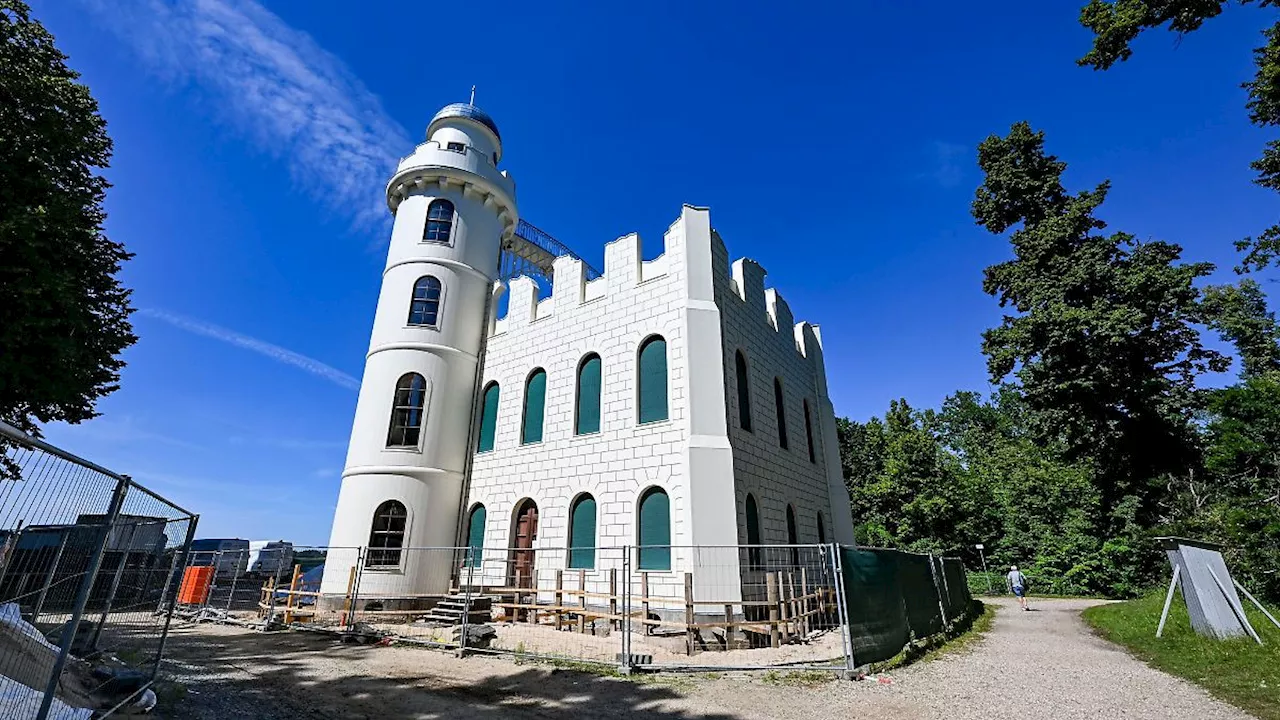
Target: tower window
[(387, 535), (744, 391), (475, 536), (782, 413), (488, 418), (457, 147), (535, 401), (753, 532), (425, 308), (653, 380), (808, 432), (655, 530), (588, 409), (439, 221), (407, 411), (792, 538)]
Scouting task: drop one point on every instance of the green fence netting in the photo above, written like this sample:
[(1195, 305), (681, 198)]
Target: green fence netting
[(893, 595)]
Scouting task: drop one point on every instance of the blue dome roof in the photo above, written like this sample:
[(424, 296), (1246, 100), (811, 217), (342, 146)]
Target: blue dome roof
[(465, 110)]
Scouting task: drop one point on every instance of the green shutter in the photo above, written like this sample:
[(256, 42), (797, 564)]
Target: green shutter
[(475, 535), (488, 419), (589, 396), (535, 400), (653, 380), (582, 534), (655, 531)]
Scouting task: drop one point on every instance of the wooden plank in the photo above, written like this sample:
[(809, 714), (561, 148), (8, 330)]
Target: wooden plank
[(613, 591), (688, 612), (293, 587), (728, 626), (771, 591), (644, 594), (559, 596)]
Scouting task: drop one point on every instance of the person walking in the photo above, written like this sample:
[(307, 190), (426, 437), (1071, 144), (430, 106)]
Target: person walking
[(1018, 585)]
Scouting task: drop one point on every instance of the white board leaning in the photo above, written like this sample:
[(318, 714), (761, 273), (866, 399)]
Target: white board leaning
[(1208, 589)]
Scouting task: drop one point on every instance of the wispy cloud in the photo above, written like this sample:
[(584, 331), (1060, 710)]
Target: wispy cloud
[(948, 159), (275, 352), (288, 95)]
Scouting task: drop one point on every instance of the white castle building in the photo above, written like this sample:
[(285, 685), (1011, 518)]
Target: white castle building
[(667, 403)]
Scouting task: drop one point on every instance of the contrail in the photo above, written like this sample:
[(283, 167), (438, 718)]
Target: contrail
[(275, 352)]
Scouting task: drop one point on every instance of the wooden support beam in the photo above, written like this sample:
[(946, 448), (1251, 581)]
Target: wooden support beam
[(613, 591), (559, 598), (582, 600), (771, 590), (688, 611)]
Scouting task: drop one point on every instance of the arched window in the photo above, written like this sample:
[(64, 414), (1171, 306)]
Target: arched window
[(582, 533), (744, 391), (425, 307), (475, 535), (753, 531), (488, 418), (791, 535), (782, 413), (535, 401), (587, 412), (822, 530), (406, 411), (652, 378), (387, 535), (655, 530), (808, 436), (439, 221)]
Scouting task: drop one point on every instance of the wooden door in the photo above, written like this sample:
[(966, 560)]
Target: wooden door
[(526, 533)]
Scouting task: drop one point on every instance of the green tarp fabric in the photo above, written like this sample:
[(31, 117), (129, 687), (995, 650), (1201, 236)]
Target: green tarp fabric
[(893, 595)]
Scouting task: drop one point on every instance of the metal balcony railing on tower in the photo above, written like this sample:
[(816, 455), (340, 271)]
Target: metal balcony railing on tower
[(532, 252)]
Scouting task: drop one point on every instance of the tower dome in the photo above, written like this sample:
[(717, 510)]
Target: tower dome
[(467, 111)]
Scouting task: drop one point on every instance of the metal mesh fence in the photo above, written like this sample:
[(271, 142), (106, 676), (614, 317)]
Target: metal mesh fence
[(88, 571)]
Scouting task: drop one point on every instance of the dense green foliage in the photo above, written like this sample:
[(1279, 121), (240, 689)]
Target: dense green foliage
[(1117, 23), (64, 317), (1238, 671), (1097, 438)]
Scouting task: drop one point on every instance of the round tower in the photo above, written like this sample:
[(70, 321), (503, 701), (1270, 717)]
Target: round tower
[(404, 475)]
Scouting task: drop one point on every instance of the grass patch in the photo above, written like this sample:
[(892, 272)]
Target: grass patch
[(797, 678), (1239, 671), (961, 637)]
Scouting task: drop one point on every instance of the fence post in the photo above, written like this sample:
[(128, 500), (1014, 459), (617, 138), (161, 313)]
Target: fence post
[(771, 595), (355, 592), (688, 612), (235, 580), (624, 658), (937, 589), (82, 598), (185, 552), (111, 595), (842, 609), (466, 598), (48, 582)]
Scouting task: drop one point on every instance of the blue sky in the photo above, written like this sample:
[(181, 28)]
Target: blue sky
[(833, 143)]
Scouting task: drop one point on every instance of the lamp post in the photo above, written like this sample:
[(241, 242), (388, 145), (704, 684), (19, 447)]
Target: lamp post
[(984, 568)]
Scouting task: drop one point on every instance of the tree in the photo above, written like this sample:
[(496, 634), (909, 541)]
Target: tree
[(1118, 23), (1102, 340), (64, 316), (1240, 315)]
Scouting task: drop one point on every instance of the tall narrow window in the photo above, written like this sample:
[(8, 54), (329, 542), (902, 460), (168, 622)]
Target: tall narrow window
[(488, 418), (588, 402), (582, 533), (387, 536), (439, 221), (406, 411), (475, 535), (822, 530), (425, 307), (808, 435), (655, 530), (535, 400), (753, 532), (792, 539), (653, 380), (744, 391), (782, 413)]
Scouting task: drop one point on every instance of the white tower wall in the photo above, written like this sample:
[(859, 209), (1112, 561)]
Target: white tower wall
[(427, 479)]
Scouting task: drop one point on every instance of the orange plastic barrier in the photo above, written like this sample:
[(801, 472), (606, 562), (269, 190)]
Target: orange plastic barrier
[(195, 584)]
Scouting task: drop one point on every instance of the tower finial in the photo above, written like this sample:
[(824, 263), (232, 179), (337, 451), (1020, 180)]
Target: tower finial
[(473, 95)]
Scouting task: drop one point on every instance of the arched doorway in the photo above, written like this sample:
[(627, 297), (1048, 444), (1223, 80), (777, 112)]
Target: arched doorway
[(524, 530)]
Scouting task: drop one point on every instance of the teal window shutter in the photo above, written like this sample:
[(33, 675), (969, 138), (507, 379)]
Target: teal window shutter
[(588, 411), (653, 380), (475, 534), (744, 392), (488, 418), (655, 531), (582, 533), (535, 400)]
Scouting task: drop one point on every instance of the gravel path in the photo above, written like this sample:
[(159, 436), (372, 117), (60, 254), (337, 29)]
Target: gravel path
[(1043, 664)]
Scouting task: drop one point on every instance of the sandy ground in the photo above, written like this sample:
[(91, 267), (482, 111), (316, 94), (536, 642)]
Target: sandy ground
[(1043, 664)]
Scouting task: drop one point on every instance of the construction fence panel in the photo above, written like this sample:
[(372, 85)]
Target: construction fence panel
[(734, 607), (400, 592), (920, 594), (88, 568)]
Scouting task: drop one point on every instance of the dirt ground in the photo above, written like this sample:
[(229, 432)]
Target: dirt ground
[(1044, 663)]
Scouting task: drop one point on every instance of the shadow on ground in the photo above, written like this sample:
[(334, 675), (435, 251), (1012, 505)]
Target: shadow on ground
[(219, 672)]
